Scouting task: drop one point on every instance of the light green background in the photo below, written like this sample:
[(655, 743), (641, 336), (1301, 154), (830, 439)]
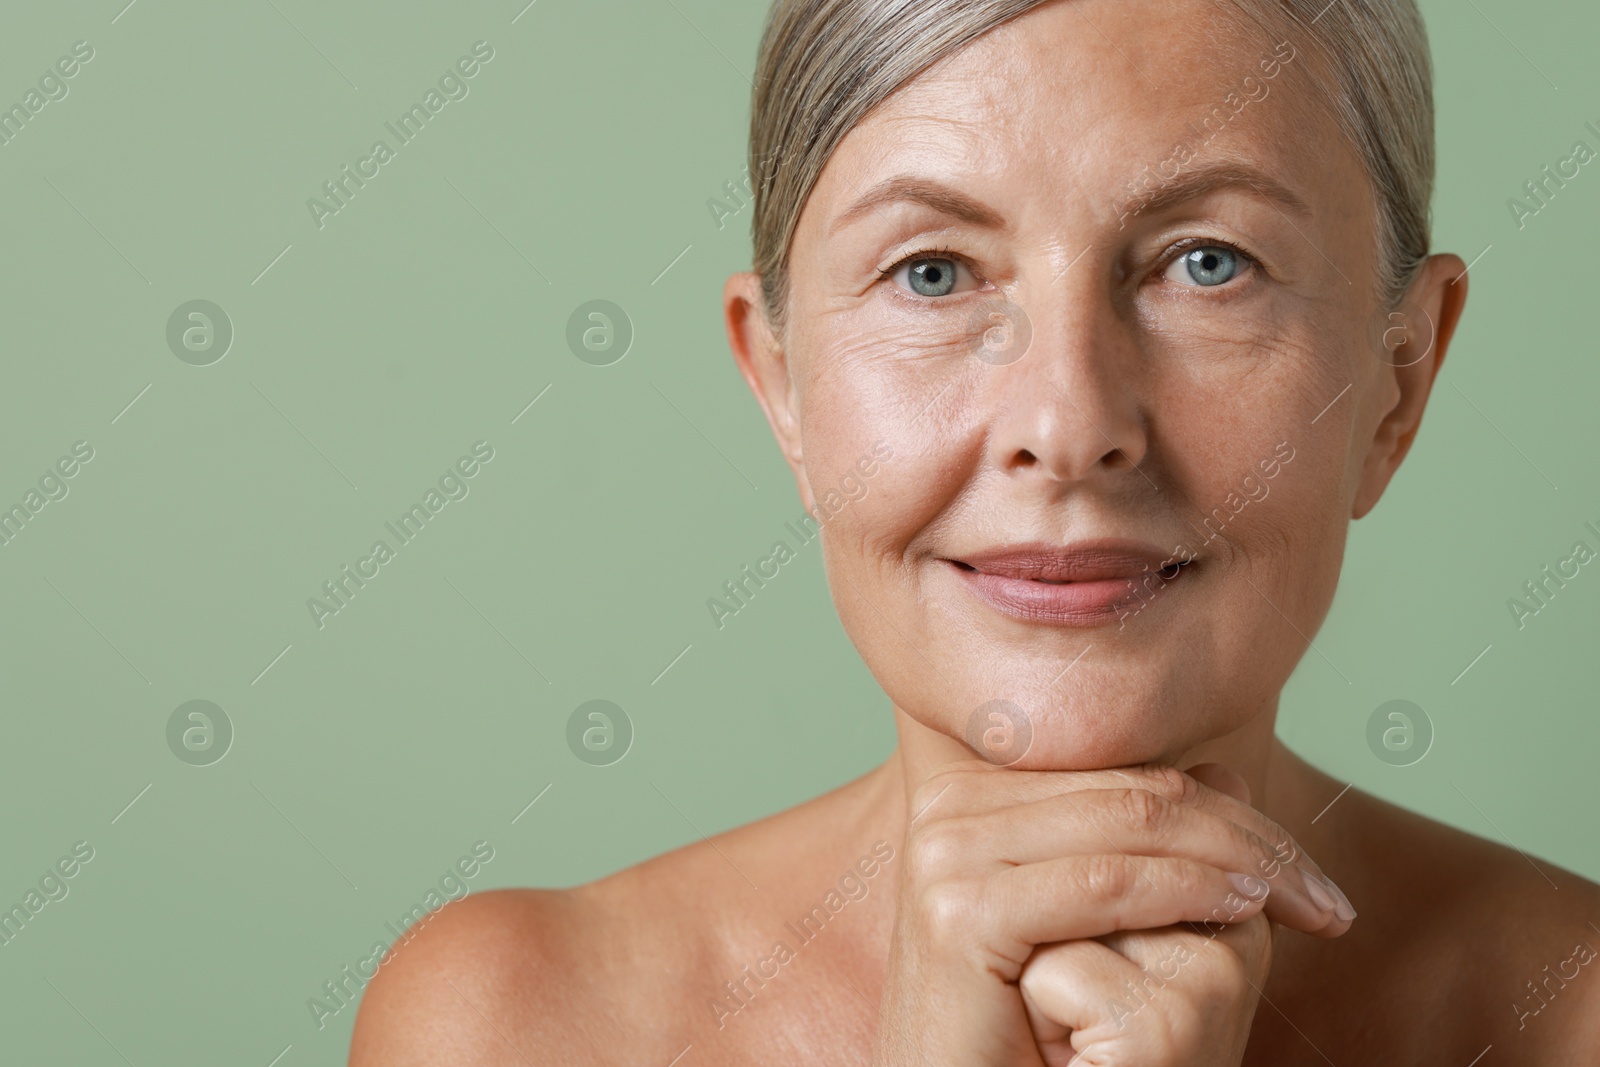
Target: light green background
[(424, 317)]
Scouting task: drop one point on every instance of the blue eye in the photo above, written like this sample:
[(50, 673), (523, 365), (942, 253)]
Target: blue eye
[(1206, 266), (931, 277), (931, 274)]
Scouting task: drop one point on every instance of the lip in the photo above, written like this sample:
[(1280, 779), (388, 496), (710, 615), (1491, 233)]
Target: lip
[(1086, 583)]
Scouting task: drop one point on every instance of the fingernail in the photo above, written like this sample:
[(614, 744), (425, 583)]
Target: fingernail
[(1249, 886), (1344, 910), (1319, 895), (1341, 905)]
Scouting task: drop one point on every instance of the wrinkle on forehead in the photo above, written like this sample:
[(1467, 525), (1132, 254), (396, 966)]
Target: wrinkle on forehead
[(1144, 76)]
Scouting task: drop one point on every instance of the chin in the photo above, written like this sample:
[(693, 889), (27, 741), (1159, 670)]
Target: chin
[(1117, 737), (1106, 716)]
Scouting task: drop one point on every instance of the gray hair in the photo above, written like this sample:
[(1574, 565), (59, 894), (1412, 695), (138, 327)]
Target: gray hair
[(824, 64)]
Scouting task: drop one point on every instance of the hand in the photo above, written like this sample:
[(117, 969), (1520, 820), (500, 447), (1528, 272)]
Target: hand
[(1162, 997), (999, 862)]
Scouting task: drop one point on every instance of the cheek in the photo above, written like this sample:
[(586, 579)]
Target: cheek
[(897, 391), (1258, 461)]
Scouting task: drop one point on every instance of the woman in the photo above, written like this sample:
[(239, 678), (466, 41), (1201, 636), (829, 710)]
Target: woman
[(1121, 310)]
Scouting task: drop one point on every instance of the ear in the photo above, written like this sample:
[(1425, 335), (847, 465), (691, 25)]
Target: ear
[(759, 355), (1414, 347)]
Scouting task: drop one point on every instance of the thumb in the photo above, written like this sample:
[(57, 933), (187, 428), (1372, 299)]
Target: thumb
[(1222, 779)]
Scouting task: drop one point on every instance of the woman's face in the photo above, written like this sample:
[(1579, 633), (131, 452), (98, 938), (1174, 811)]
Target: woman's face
[(1081, 390)]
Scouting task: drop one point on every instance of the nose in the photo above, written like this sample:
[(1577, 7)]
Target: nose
[(1067, 409)]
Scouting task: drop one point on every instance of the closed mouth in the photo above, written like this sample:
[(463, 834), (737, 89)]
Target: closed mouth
[(1086, 584)]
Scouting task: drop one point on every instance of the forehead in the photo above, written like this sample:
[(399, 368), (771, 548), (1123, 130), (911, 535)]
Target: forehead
[(1081, 100)]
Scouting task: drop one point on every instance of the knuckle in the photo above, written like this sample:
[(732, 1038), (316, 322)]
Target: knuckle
[(1192, 881), (930, 792), (1104, 876), (936, 849), (1277, 851), (1172, 784), (947, 910), (1284, 846), (949, 791), (1247, 842), (1228, 972), (1146, 812), (1279, 842)]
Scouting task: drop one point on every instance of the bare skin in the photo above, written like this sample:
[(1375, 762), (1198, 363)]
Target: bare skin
[(994, 914)]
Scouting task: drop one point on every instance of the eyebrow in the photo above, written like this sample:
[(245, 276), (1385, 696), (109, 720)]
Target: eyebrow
[(1210, 177), (908, 188), (1189, 185)]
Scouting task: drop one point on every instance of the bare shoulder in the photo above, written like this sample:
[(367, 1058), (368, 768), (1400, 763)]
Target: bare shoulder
[(628, 969), (482, 958), (1518, 936), (533, 976)]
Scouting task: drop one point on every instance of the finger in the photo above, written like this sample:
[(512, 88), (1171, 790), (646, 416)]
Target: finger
[(1083, 999), (1084, 988), (1129, 821), (1172, 951), (1155, 993), (975, 786), (1074, 897)]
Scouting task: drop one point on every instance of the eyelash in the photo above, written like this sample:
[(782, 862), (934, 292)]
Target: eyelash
[(926, 253), (1171, 256)]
